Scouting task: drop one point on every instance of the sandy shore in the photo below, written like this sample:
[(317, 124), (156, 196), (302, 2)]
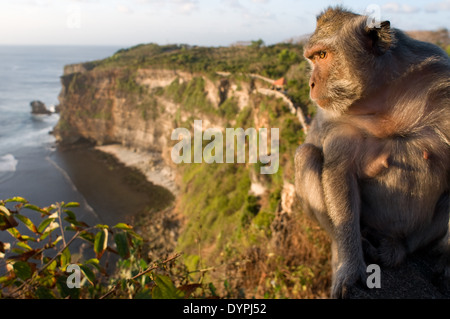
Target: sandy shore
[(148, 163)]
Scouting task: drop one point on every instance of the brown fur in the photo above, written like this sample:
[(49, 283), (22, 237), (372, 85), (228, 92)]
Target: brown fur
[(376, 159)]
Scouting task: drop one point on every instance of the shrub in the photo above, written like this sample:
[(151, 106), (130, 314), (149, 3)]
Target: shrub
[(38, 263)]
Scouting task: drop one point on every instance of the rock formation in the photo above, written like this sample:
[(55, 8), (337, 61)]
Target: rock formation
[(38, 107)]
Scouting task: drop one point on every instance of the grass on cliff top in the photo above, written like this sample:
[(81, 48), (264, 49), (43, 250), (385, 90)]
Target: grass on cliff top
[(272, 61)]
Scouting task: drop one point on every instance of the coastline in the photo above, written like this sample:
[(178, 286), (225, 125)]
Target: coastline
[(113, 189), (110, 179), (150, 164)]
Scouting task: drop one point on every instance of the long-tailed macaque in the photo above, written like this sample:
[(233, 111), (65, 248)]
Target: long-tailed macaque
[(374, 170)]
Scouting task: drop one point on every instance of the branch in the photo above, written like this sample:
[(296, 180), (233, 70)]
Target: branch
[(27, 282), (141, 274)]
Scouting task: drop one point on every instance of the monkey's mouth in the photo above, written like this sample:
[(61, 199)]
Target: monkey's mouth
[(322, 101)]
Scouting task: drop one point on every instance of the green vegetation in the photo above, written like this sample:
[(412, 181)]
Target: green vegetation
[(39, 264), (190, 95), (272, 61), (226, 223)]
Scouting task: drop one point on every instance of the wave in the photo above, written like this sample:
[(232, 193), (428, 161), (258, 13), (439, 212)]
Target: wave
[(28, 138), (8, 163)]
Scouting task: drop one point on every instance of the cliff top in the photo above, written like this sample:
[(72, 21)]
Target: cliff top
[(271, 61)]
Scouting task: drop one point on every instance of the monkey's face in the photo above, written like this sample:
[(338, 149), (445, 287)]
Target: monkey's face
[(320, 59), (343, 54)]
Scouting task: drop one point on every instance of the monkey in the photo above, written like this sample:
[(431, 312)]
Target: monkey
[(374, 169)]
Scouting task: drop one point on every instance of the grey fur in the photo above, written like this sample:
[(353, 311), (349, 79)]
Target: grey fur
[(390, 112)]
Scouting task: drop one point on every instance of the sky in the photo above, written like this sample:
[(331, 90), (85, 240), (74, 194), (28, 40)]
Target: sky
[(194, 22)]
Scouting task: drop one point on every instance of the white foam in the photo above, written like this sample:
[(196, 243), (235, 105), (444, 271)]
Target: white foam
[(8, 163)]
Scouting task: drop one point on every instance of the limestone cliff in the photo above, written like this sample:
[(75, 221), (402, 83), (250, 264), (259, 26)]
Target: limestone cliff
[(128, 107), (119, 108)]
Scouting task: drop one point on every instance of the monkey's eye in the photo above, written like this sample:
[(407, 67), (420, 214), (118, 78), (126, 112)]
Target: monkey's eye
[(322, 54)]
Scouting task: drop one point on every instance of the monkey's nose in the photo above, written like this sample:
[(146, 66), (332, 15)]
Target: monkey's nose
[(312, 85)]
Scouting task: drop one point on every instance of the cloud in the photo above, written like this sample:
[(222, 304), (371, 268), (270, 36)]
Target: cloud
[(395, 7), (124, 9), (235, 4), (438, 6), (185, 6)]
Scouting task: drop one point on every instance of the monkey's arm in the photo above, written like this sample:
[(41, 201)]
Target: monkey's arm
[(308, 183), (308, 176), (342, 200)]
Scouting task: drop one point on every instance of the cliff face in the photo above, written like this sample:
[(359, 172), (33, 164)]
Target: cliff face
[(131, 110), (138, 112)]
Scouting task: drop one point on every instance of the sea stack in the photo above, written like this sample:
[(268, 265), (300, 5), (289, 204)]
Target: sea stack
[(37, 107)]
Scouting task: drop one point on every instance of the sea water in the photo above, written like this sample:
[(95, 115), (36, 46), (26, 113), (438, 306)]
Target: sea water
[(29, 163)]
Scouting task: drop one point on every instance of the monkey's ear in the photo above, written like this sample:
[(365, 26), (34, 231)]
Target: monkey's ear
[(379, 38)]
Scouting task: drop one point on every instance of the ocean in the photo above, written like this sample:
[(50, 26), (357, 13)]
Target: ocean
[(31, 166)]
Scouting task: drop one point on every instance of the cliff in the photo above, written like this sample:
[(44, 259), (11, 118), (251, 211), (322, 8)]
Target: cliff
[(129, 104), (243, 226)]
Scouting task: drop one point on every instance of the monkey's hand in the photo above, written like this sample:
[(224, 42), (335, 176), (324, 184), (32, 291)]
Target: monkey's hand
[(347, 275)]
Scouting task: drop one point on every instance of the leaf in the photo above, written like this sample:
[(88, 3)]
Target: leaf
[(54, 215), (135, 235), (144, 293), (49, 229), (22, 270), (65, 258), (100, 242), (48, 209), (64, 290), (88, 273), (27, 238), (123, 226), (17, 199), (44, 224), (94, 262), (52, 265), (27, 223), (4, 211), (24, 246), (189, 289), (15, 233), (70, 214), (5, 280), (57, 240), (71, 218), (44, 293), (101, 226), (7, 221), (121, 241), (35, 208), (87, 236), (165, 289), (72, 204)]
